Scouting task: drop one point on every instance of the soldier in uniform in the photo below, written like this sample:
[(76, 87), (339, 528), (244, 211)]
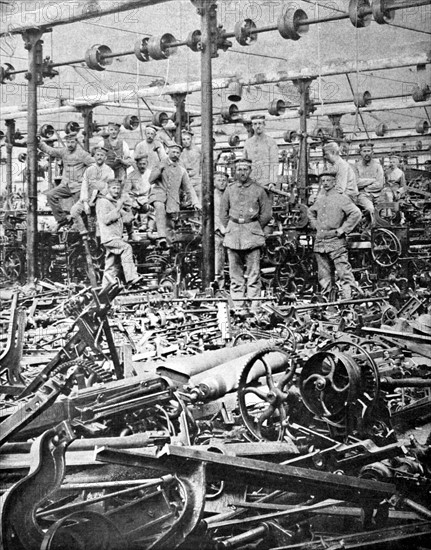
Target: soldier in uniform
[(151, 147), (345, 177), (334, 216), (118, 153), (370, 179), (220, 183), (191, 159), (395, 178), (244, 213), (262, 150)]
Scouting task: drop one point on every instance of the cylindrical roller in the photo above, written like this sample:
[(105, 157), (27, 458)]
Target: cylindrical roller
[(422, 127), (72, 127), (421, 93), (160, 47), (381, 129), (244, 32), (22, 157), (95, 57), (229, 112), (194, 40), (234, 140), (362, 99), (5, 71), (130, 122), (47, 131), (224, 379), (277, 107), (190, 366), (234, 91), (292, 24), (358, 16), (290, 136), (141, 49), (382, 11), (159, 118)]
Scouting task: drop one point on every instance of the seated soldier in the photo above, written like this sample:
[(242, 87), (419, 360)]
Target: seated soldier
[(370, 180), (111, 217), (93, 186)]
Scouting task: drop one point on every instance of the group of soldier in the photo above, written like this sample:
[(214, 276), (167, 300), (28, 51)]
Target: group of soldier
[(163, 174)]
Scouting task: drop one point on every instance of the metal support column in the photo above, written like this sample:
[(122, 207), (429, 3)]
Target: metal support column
[(207, 11), (303, 85), (33, 43), (10, 132), (179, 101)]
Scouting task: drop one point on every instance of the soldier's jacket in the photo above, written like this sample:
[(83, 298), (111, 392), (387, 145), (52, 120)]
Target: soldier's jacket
[(245, 210)]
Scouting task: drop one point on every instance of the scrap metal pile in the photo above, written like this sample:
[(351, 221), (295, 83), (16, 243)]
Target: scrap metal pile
[(138, 420)]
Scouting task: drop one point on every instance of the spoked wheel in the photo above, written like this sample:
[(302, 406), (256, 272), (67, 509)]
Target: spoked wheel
[(13, 266), (264, 403), (385, 247)]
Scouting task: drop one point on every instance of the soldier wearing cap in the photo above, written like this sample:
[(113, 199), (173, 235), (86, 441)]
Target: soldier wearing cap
[(262, 150), (245, 211), (191, 158), (370, 179), (75, 161), (395, 178), (221, 180), (345, 177), (111, 217), (334, 216), (168, 177), (93, 186), (138, 187), (152, 147), (118, 152)]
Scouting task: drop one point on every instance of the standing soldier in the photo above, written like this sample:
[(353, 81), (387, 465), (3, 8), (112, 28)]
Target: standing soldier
[(118, 153), (151, 147), (345, 177), (245, 211), (395, 178), (191, 159), (262, 150), (220, 184), (75, 161), (334, 216), (370, 179)]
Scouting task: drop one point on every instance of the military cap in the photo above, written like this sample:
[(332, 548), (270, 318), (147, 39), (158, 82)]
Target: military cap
[(100, 148), (174, 144), (327, 173), (113, 181), (366, 144), (189, 132), (247, 161), (153, 127), (258, 117), (71, 135), (118, 125), (141, 156)]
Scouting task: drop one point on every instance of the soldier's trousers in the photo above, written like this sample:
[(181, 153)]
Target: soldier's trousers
[(118, 251), (336, 261), (244, 271)]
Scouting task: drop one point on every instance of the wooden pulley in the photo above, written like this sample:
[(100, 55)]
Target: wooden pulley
[(5, 71), (362, 99), (422, 127), (234, 140), (421, 93), (72, 127), (244, 32), (381, 129), (130, 122), (22, 157), (95, 57), (229, 112), (290, 136), (193, 40), (292, 24), (382, 12), (160, 47), (141, 49), (358, 17), (159, 118), (47, 131), (277, 107)]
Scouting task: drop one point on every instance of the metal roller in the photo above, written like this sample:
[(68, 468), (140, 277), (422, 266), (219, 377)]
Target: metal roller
[(290, 136), (141, 49), (277, 107), (244, 32), (72, 127), (421, 93), (234, 140), (357, 14), (131, 122), (234, 91), (5, 71), (362, 99), (194, 40), (291, 24), (159, 117), (383, 13), (95, 57), (47, 131), (381, 129), (422, 127), (22, 157), (230, 112), (161, 47)]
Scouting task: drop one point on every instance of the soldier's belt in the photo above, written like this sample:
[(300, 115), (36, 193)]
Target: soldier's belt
[(242, 220)]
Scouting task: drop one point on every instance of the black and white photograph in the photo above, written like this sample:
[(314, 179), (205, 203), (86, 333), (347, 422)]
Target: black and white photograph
[(215, 275)]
